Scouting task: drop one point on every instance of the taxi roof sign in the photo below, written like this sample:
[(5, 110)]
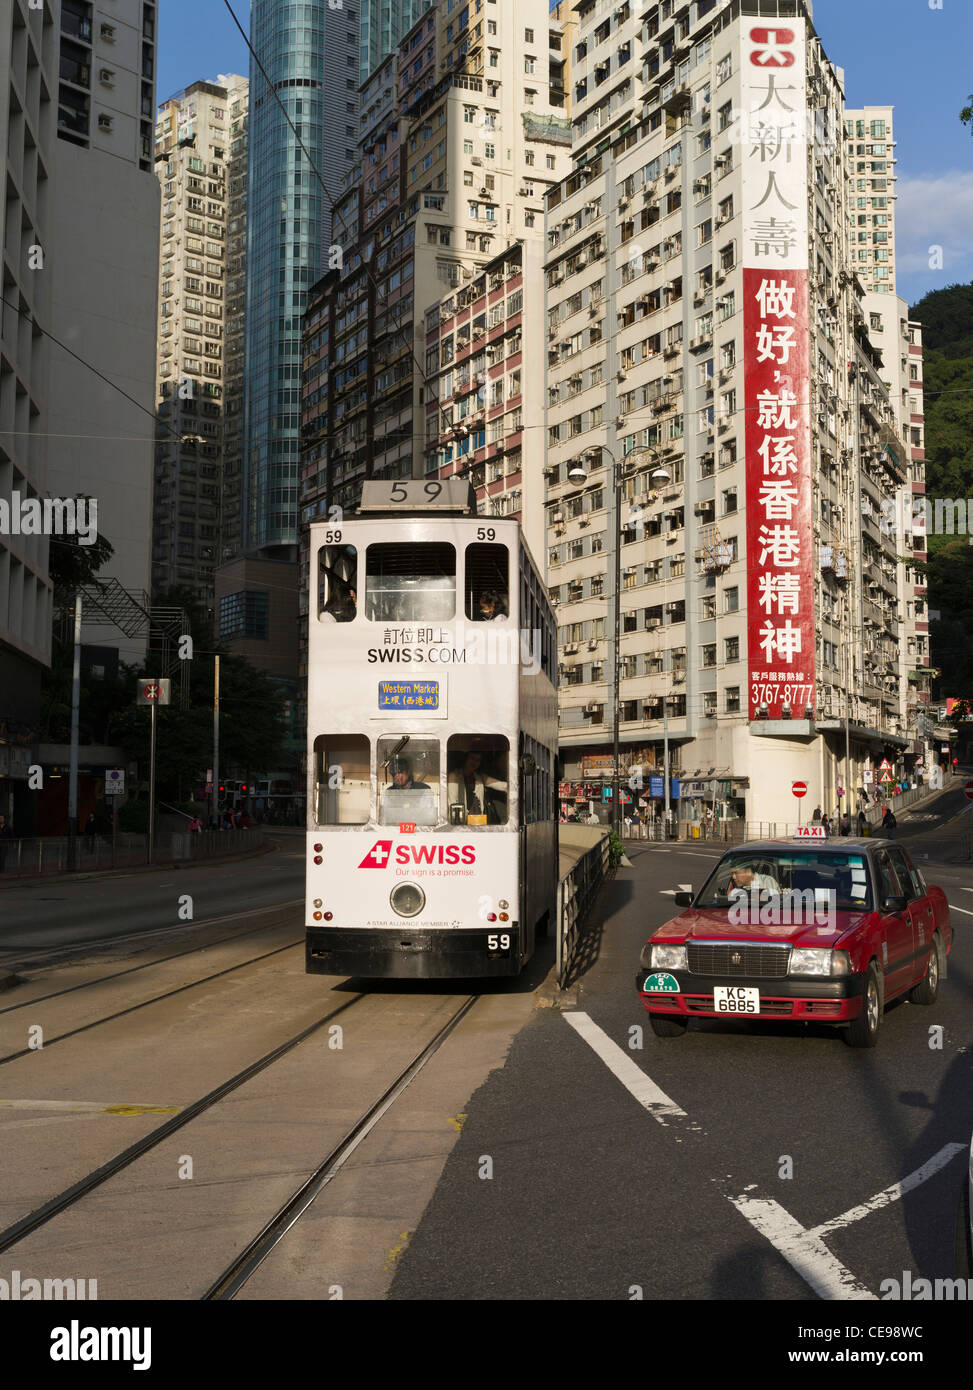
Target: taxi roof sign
[(814, 831)]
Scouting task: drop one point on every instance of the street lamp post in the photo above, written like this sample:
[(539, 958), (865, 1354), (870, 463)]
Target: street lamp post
[(578, 473)]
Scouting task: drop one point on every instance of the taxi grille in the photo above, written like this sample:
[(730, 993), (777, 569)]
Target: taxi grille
[(729, 958)]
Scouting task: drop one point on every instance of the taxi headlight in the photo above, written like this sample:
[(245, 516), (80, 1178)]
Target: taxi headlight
[(818, 960), (668, 958), (407, 899)]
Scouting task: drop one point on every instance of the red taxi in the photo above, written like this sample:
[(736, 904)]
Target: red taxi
[(808, 931)]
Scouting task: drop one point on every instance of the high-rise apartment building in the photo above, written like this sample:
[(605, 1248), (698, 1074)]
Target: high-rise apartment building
[(236, 304), (870, 164), (466, 131), (383, 24), (103, 258), (195, 375), (28, 115), (310, 53), (709, 350)]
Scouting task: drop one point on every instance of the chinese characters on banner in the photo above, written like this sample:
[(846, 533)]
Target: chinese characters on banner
[(780, 545)]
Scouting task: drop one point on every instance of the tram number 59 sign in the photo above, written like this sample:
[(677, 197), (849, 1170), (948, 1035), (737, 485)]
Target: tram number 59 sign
[(799, 789)]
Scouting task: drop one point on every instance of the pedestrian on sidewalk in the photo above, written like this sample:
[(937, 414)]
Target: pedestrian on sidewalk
[(889, 822), (89, 832), (817, 815)]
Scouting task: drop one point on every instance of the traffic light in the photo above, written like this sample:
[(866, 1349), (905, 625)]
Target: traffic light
[(222, 788), (243, 786)]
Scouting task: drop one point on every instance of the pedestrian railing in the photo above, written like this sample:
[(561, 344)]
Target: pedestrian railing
[(49, 854), (576, 892)]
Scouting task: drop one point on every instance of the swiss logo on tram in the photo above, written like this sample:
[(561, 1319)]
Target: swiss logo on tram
[(380, 853)]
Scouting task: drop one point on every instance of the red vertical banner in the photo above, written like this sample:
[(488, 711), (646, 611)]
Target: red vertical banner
[(773, 132), (780, 544)]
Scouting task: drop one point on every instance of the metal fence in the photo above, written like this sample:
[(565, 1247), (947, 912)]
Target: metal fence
[(32, 858), (575, 894)]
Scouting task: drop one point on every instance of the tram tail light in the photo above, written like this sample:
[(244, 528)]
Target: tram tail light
[(504, 916), (491, 916)]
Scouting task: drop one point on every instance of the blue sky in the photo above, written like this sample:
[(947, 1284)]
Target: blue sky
[(900, 52)]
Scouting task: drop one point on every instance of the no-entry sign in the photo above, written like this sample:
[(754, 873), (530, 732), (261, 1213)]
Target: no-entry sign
[(799, 788), (968, 791)]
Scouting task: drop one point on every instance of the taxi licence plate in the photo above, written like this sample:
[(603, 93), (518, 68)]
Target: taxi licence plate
[(735, 999)]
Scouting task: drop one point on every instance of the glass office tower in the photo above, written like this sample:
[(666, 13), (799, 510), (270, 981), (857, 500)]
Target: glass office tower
[(383, 22), (310, 53)]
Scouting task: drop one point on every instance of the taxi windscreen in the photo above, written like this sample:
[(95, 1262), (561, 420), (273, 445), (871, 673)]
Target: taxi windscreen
[(843, 878)]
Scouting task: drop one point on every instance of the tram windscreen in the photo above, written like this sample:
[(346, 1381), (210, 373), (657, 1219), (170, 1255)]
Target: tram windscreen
[(408, 780), (411, 583)]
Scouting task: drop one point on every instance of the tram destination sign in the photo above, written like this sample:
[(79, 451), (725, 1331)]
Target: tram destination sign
[(408, 695), (450, 495)]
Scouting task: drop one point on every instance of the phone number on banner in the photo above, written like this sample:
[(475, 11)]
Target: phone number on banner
[(788, 694)]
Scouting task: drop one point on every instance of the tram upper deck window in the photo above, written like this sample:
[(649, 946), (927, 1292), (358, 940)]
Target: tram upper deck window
[(487, 582), (337, 583), (342, 779), (410, 583), (408, 780), (477, 779)]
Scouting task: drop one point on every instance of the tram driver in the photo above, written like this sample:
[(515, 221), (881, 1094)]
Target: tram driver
[(404, 798)]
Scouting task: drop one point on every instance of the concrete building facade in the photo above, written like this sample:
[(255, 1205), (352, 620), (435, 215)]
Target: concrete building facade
[(707, 339), (870, 163), (195, 375)]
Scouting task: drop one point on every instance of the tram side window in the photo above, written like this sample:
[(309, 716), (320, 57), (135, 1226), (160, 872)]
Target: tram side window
[(408, 780), (487, 582), (414, 583), (477, 779), (337, 583), (342, 781)]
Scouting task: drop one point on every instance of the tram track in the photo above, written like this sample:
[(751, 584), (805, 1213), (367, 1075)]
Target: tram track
[(27, 1225), (162, 960), (146, 1003), (245, 1265), (55, 955)]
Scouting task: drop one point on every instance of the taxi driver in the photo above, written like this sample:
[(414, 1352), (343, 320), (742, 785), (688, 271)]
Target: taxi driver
[(743, 880)]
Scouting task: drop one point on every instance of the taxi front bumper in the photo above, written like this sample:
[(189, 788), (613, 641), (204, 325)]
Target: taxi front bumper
[(800, 1000)]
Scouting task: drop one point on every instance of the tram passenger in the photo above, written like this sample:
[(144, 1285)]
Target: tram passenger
[(491, 607), (476, 792), (342, 605)]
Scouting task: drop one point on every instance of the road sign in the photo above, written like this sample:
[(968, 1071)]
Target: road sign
[(968, 791), (799, 789), (885, 778), (114, 781), (867, 776), (152, 692), (885, 765)]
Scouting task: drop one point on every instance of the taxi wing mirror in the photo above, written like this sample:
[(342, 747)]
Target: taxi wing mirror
[(895, 902), (683, 899)]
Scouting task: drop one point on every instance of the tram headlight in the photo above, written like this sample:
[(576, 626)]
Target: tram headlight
[(407, 899)]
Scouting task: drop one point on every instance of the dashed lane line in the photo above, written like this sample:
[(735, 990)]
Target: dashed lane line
[(632, 1077)]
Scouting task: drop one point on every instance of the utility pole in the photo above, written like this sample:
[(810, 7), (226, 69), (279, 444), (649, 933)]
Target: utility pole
[(75, 707), (216, 742)]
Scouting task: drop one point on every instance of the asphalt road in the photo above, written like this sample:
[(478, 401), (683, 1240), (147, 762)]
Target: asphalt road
[(602, 1162), (39, 915)]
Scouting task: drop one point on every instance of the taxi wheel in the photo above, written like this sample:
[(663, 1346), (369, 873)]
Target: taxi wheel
[(863, 1030), (664, 1027), (927, 989)]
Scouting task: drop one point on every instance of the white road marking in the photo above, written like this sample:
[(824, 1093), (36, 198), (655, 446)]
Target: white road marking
[(893, 1193), (967, 890), (668, 892), (632, 1077), (964, 910), (802, 1249)]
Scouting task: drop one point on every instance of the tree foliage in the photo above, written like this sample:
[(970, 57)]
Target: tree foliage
[(947, 331)]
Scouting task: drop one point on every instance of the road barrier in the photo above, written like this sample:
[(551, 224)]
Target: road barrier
[(576, 892), (48, 855)]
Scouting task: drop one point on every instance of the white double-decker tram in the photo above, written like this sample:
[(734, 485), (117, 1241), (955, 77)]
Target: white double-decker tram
[(432, 736)]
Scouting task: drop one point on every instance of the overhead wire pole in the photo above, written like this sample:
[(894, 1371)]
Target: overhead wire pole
[(216, 741), (75, 709)]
